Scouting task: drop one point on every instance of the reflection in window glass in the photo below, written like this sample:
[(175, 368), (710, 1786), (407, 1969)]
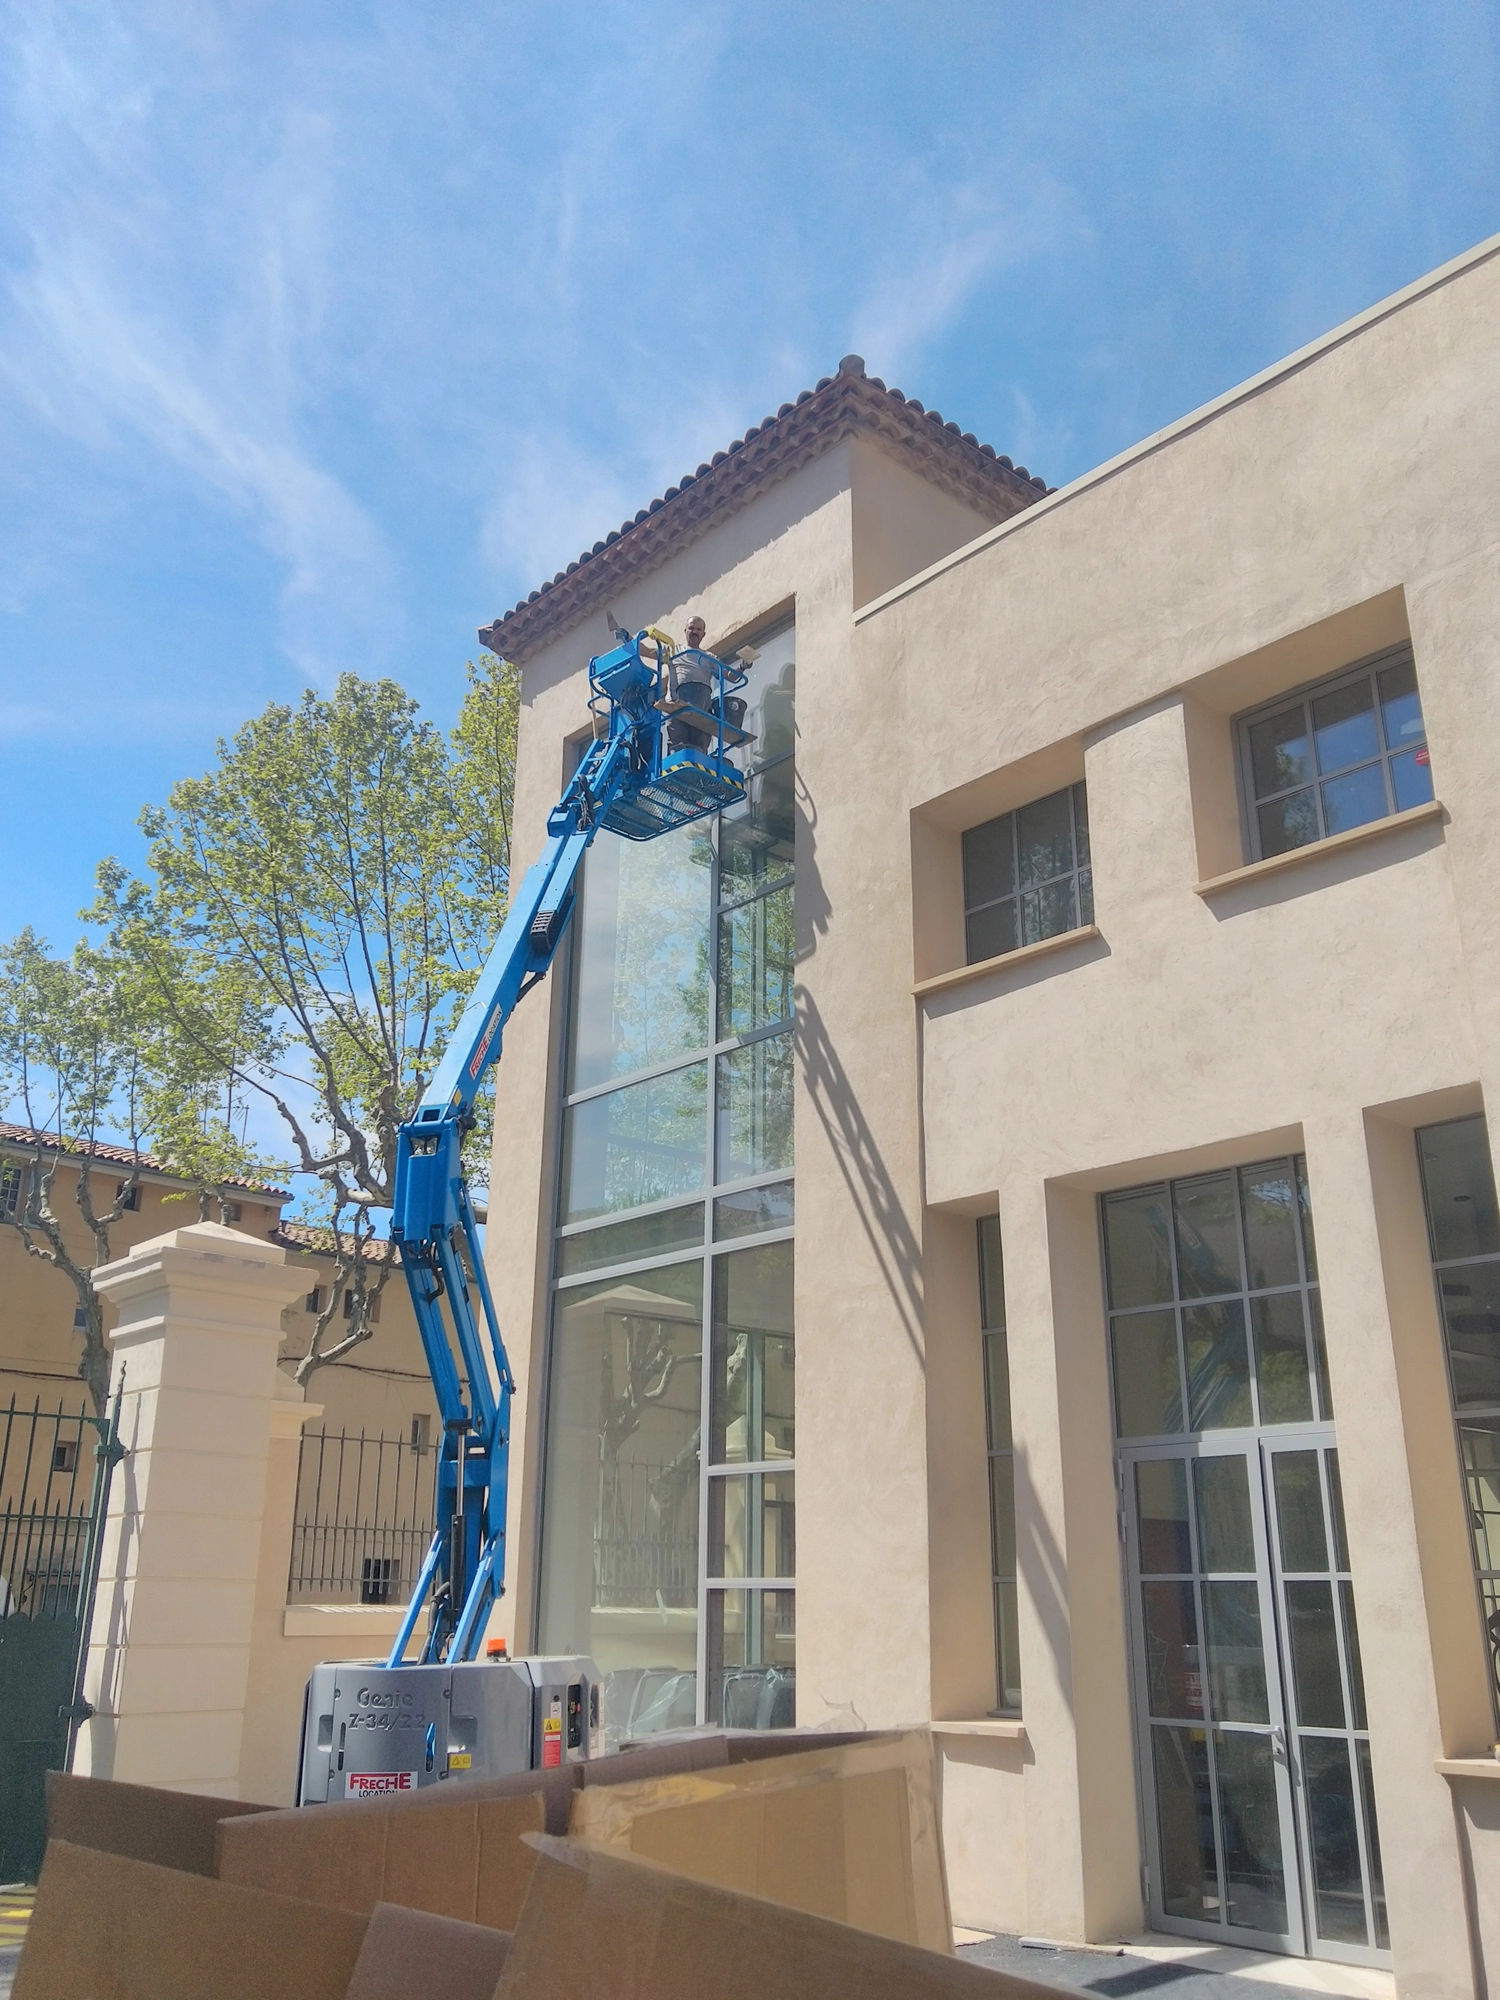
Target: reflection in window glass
[(640, 989), (1212, 1286), (1458, 1183), (753, 1132), (620, 1533), (681, 946), (757, 961), (640, 1144), (1337, 756), (752, 1402), (1002, 1464), (1027, 875)]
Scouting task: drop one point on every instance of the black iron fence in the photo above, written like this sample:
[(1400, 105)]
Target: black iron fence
[(364, 1518), (55, 1467)]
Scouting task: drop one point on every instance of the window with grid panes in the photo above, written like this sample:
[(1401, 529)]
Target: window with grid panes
[(1463, 1226), (1002, 1465), (1350, 750), (668, 1512), (1027, 875)]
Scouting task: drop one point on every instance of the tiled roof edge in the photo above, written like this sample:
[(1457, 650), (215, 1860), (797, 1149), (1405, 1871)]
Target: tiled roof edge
[(840, 406), (121, 1156)]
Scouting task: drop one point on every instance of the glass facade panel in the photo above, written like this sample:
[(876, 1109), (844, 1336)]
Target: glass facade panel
[(1002, 1464), (1336, 757), (1027, 875), (676, 1146), (630, 1147), (620, 1556), (1458, 1184)]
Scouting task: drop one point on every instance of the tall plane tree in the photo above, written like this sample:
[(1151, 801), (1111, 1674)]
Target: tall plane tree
[(314, 914)]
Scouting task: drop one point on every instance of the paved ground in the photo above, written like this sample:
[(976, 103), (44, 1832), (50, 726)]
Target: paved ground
[(1182, 1971)]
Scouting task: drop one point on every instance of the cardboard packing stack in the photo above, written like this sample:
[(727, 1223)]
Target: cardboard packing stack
[(672, 1870)]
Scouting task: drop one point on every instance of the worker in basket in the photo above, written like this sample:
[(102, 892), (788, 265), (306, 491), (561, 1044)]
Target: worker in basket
[(690, 678)]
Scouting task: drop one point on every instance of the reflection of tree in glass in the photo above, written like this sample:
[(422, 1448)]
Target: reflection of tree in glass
[(661, 949), (639, 1357)]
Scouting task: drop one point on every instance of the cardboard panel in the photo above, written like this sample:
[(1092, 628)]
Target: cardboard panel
[(454, 1851), (604, 1926), (657, 1760), (141, 1822), (409, 1955), (109, 1928), (849, 1832)]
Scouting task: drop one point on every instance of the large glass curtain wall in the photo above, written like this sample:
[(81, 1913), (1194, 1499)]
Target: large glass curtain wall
[(670, 1565)]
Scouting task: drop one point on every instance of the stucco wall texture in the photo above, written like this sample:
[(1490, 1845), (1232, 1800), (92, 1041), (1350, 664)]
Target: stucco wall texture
[(1343, 502)]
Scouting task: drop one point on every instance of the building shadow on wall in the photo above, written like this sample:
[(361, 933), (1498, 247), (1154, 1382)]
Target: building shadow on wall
[(1043, 1569), (872, 1192)]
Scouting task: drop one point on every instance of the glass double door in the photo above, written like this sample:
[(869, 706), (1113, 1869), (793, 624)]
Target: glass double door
[(1254, 1754)]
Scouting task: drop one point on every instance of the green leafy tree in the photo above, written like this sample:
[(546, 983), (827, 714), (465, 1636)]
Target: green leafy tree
[(81, 1048), (316, 910)]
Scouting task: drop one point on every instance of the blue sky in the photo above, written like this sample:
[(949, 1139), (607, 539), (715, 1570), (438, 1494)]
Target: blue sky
[(328, 331)]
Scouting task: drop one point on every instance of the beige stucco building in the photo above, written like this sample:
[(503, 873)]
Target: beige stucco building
[(1145, 939), (381, 1387)]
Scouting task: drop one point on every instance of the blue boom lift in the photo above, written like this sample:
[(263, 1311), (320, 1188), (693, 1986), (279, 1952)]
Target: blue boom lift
[(665, 721)]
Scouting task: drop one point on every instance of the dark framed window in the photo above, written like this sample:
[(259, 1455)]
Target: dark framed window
[(1002, 1466), (1027, 875), (1335, 756), (1463, 1229)]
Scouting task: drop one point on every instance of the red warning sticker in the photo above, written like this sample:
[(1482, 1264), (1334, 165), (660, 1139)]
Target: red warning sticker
[(552, 1734)]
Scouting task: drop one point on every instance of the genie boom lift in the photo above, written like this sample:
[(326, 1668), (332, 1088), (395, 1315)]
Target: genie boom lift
[(664, 721)]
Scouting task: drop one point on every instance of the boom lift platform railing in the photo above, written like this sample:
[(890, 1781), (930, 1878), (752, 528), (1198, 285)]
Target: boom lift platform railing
[(665, 721)]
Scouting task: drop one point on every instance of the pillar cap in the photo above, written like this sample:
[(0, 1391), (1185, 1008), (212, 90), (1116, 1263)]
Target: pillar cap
[(209, 1251)]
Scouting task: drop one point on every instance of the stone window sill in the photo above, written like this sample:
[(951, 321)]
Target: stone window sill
[(1464, 1767), (941, 981), (1008, 1726), (1378, 829)]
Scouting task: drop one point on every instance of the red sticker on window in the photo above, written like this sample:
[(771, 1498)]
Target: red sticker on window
[(1423, 758)]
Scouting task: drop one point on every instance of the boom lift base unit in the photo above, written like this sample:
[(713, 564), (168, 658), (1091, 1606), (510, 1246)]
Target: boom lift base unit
[(664, 723)]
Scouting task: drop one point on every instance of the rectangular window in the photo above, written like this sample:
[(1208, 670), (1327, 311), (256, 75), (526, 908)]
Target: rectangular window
[(1463, 1229), (314, 1300), (1027, 875), (129, 1198), (673, 1565), (1002, 1466), (1215, 1322), (1350, 750), (11, 1177)]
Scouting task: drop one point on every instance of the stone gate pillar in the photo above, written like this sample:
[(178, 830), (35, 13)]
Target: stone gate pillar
[(199, 1329)]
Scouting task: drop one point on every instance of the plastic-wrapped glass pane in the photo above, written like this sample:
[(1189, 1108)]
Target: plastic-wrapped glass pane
[(752, 1658)]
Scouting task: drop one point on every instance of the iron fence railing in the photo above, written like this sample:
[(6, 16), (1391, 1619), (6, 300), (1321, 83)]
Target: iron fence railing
[(47, 1507), (646, 1535), (364, 1518)]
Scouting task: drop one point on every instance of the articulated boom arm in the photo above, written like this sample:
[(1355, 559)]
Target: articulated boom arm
[(664, 722)]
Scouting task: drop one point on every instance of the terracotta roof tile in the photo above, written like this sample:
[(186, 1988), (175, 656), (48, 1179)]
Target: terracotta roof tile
[(122, 1156), (305, 1236), (840, 406)]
